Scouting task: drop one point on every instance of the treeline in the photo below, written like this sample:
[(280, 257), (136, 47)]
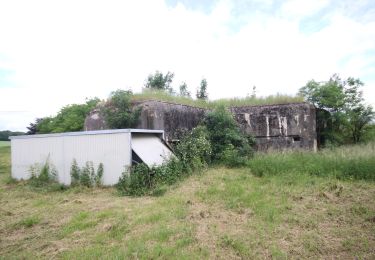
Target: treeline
[(4, 135), (343, 117)]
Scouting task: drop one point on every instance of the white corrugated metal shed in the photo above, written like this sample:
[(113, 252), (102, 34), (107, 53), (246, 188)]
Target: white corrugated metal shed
[(112, 148)]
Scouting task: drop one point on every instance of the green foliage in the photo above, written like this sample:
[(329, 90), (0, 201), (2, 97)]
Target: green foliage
[(160, 81), (184, 91), (135, 181), (348, 114), (369, 135), (194, 149), (42, 175), (75, 172), (229, 145), (70, 118), (192, 154), (4, 135), (118, 111), (86, 176), (202, 91), (352, 162)]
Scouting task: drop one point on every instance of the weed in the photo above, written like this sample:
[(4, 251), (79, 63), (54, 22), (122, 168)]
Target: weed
[(86, 176), (29, 222), (43, 174)]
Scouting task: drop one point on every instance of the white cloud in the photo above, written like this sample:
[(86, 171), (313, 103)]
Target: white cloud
[(60, 52), (300, 8)]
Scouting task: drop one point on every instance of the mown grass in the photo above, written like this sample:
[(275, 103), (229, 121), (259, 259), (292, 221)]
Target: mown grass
[(247, 101), (222, 213)]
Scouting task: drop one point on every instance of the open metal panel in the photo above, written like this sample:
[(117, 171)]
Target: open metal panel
[(150, 149)]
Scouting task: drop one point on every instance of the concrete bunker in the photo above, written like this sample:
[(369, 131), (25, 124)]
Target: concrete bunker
[(275, 127)]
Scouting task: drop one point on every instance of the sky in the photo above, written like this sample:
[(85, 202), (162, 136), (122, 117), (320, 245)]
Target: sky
[(55, 53)]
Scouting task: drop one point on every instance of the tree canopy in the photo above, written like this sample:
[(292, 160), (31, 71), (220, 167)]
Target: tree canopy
[(160, 81), (70, 118), (184, 90), (343, 99), (202, 91)]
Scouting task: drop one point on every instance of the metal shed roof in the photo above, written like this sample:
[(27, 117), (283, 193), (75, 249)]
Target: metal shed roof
[(98, 132)]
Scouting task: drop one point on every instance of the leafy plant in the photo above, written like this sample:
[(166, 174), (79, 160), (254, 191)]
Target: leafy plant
[(86, 176), (44, 174), (118, 111), (226, 139), (135, 181), (194, 149)]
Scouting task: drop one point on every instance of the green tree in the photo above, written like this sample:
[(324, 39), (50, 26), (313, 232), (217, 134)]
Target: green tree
[(348, 114), (118, 111), (4, 135), (70, 118), (32, 128), (159, 81), (184, 91), (202, 91), (45, 125)]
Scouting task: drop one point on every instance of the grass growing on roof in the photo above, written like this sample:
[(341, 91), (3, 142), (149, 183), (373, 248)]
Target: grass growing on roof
[(246, 101)]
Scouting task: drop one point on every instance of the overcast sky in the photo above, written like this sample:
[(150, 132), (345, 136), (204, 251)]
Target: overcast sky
[(54, 53)]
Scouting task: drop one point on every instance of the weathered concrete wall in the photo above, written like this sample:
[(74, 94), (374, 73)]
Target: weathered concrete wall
[(95, 121), (286, 126), (174, 119), (279, 126)]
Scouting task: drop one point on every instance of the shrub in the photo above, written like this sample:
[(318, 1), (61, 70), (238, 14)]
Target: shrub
[(118, 111), (194, 150), (86, 176), (135, 181), (232, 158), (226, 139)]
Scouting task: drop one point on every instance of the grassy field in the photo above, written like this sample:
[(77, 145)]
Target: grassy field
[(4, 143), (222, 213)]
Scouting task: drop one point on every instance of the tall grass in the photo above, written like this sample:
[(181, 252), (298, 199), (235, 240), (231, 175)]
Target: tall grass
[(227, 102), (350, 162)]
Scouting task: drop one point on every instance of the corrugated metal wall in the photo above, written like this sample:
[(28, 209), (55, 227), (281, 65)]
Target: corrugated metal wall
[(113, 150)]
